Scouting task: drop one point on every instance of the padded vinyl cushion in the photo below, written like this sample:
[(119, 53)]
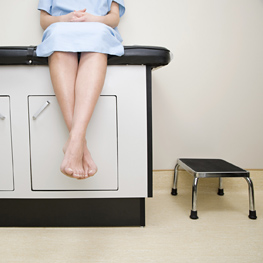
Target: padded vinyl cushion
[(133, 55)]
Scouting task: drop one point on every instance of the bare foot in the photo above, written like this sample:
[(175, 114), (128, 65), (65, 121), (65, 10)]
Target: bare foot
[(88, 164), (72, 162)]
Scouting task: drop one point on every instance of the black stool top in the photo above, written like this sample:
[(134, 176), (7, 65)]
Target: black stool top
[(209, 167)]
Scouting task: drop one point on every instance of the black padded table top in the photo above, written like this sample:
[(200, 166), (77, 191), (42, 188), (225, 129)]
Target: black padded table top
[(133, 55), (211, 168)]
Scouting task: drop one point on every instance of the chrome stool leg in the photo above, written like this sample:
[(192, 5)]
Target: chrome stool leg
[(194, 200), (174, 189), (252, 211), (220, 188)]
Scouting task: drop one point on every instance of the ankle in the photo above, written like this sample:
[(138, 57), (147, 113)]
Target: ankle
[(77, 137)]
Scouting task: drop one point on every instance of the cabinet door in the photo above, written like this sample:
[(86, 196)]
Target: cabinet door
[(48, 134), (6, 160)]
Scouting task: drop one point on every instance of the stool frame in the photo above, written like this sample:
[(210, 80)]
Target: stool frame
[(197, 175)]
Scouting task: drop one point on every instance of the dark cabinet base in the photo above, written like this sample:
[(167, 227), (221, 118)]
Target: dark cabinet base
[(72, 212)]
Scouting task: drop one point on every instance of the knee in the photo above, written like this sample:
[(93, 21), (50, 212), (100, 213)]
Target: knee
[(93, 55), (62, 56), (58, 54), (55, 56), (93, 58)]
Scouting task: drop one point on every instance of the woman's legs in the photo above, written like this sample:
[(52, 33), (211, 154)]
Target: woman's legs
[(77, 88), (63, 68), (89, 83)]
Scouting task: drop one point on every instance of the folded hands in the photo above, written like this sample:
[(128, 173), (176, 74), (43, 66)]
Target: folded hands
[(80, 16)]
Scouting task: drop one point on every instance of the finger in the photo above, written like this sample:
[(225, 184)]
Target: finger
[(83, 10), (80, 14), (78, 19)]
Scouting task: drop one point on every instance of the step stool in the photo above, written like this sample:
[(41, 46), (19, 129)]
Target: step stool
[(208, 168)]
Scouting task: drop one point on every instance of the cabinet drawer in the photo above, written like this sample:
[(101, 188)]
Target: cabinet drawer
[(6, 155), (48, 134)]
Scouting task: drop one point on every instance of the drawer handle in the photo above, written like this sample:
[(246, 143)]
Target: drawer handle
[(2, 117), (41, 110)]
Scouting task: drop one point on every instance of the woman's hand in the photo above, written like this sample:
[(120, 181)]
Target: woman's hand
[(83, 17), (46, 19), (111, 19), (73, 16)]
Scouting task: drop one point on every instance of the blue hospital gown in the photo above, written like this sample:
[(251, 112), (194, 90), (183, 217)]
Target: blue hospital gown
[(80, 36)]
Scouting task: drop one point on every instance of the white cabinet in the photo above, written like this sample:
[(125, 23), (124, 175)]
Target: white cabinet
[(6, 156), (33, 191), (117, 137), (48, 134)]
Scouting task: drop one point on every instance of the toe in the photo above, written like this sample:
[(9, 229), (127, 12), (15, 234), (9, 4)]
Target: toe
[(92, 172), (86, 173), (81, 175), (67, 171), (76, 175)]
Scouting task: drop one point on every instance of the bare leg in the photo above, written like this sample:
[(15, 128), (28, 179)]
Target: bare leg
[(63, 68), (99, 73), (89, 83), (70, 81)]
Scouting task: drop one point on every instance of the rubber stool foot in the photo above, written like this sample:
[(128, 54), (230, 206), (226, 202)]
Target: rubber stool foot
[(193, 215), (220, 192), (174, 192), (252, 214)]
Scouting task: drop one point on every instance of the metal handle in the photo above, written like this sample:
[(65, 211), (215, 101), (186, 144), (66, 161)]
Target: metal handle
[(2, 117), (41, 110)]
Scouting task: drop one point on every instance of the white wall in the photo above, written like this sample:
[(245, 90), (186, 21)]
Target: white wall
[(208, 101)]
